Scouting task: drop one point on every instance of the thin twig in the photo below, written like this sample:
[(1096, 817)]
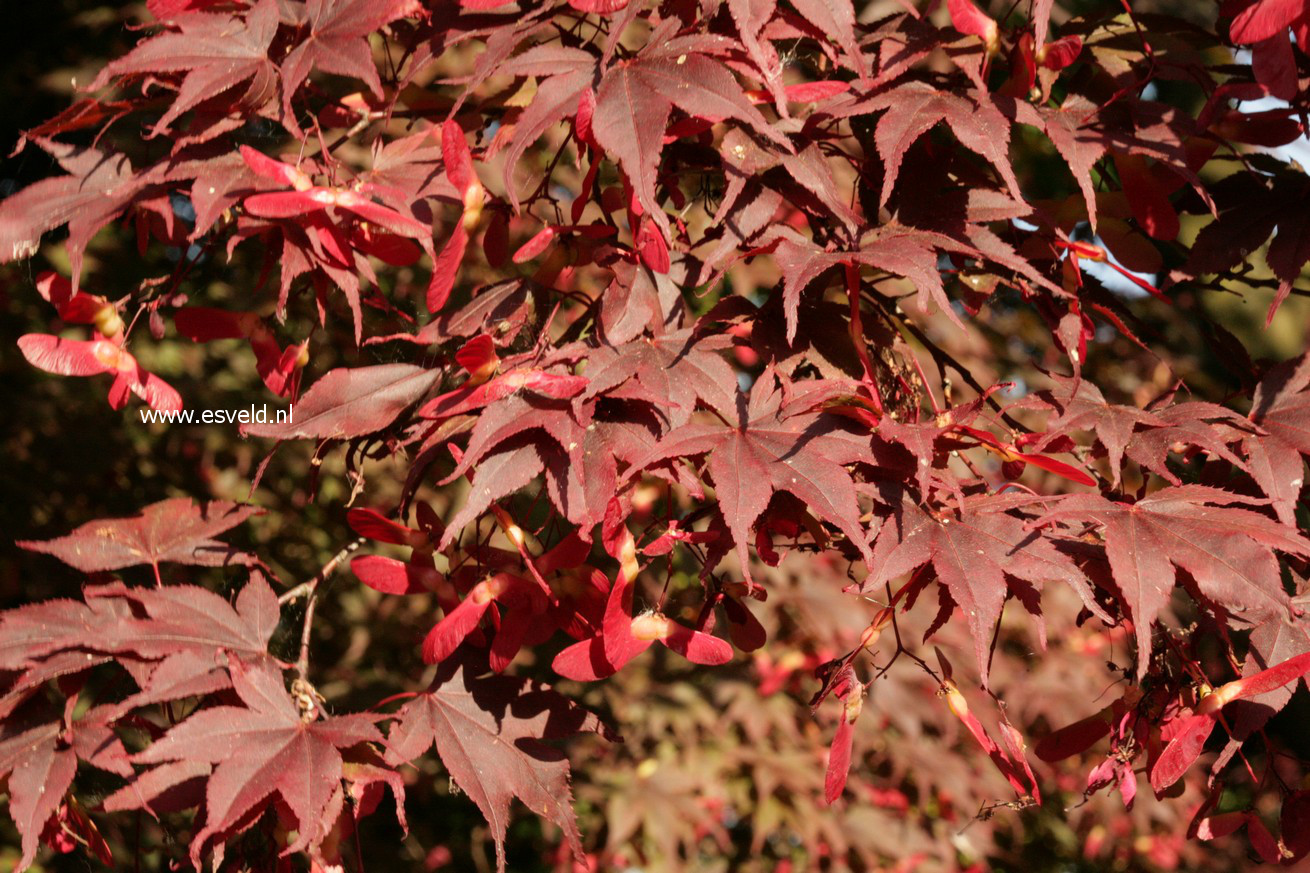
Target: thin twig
[(329, 568), (310, 591), (302, 662)]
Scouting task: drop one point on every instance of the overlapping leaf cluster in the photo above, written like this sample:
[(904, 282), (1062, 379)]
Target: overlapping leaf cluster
[(545, 238)]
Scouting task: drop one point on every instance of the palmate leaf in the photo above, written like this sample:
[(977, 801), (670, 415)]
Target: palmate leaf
[(179, 619), (97, 187), (638, 300), (500, 473), (221, 179), (179, 531), (766, 450), (1146, 436), (38, 773), (513, 439), (1229, 552), (750, 16), (1073, 129), (640, 140), (491, 733), (1082, 407), (810, 169), (216, 53), (337, 42), (836, 19), (260, 749), (1251, 209), (636, 97), (408, 170), (672, 370), (515, 414), (629, 123), (38, 759), (895, 249), (1206, 426), (582, 481), (1282, 409), (185, 626), (972, 553), (916, 107), (31, 679)]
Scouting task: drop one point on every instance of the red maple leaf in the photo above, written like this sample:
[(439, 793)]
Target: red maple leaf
[(178, 531), (565, 73), (916, 107), (39, 752), (336, 41), (636, 97), (97, 188), (1228, 552), (671, 370), (155, 624), (266, 747), (1281, 407), (491, 733), (975, 555), (216, 53), (769, 448)]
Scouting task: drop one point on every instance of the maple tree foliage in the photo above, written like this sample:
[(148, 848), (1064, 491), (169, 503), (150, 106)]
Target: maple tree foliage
[(874, 354)]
